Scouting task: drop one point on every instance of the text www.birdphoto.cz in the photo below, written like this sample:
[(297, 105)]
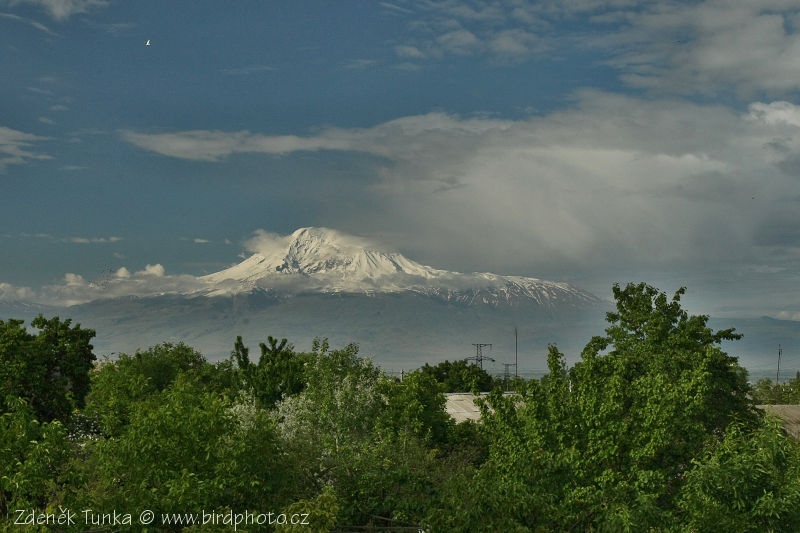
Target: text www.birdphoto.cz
[(91, 517)]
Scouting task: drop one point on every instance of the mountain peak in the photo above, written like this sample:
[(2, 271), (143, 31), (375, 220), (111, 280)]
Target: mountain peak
[(311, 250), (340, 261), (322, 234), (316, 259)]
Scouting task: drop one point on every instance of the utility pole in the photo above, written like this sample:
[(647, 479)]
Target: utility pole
[(516, 350), (479, 357), (778, 373), (507, 374)]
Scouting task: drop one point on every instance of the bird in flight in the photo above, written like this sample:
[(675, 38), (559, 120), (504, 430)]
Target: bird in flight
[(147, 43)]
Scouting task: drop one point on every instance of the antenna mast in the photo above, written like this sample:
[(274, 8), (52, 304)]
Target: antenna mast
[(516, 356), (778, 373)]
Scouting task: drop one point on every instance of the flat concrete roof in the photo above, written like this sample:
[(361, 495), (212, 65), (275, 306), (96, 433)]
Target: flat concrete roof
[(461, 406), (789, 414)]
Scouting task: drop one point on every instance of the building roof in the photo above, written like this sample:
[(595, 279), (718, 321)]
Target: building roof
[(461, 406), (789, 415)]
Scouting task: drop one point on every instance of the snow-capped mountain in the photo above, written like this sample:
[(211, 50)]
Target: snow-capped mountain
[(328, 261), (319, 282)]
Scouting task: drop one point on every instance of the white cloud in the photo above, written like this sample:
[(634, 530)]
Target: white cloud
[(9, 292), (612, 181), (201, 241), (708, 47), (504, 33), (789, 315), (45, 120), (478, 11), (248, 69), (266, 243), (406, 51), (14, 147), (92, 240), (782, 120), (116, 29), (74, 240), (273, 246), (775, 113), (396, 8), (358, 64), (407, 66), (460, 42), (61, 9), (75, 289), (515, 45), (204, 145), (152, 270), (39, 26), (35, 235), (74, 280)]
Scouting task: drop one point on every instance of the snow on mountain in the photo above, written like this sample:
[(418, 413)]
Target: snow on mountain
[(328, 261), (348, 263)]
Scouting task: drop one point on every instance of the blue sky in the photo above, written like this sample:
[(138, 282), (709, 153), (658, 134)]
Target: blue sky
[(590, 141)]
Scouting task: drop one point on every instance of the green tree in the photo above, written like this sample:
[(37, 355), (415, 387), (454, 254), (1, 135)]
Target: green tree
[(322, 511), (605, 445), (340, 431), (748, 482), (278, 373), (50, 370), (116, 386), (34, 461), (767, 392), (416, 405), (338, 407), (459, 376), (187, 449)]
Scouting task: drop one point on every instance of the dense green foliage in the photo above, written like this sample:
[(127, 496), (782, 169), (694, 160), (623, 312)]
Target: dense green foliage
[(118, 386), (653, 430), (34, 460), (459, 376), (768, 392), (279, 371), (748, 481), (49, 370), (628, 438)]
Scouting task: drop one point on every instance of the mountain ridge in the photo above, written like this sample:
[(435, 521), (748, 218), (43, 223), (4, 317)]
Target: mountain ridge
[(328, 261), (319, 282)]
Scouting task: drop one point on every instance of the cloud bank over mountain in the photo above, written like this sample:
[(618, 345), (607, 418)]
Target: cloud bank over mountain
[(595, 141), (614, 179), (312, 260)]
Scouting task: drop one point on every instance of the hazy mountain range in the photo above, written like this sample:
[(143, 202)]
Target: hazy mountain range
[(318, 282)]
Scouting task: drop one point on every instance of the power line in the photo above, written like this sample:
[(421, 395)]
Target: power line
[(479, 357)]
